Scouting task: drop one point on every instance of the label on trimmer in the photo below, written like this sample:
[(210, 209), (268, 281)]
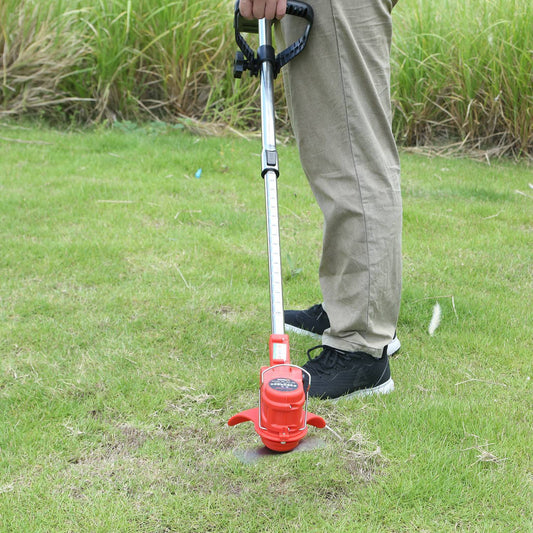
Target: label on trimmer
[(283, 384), (279, 351)]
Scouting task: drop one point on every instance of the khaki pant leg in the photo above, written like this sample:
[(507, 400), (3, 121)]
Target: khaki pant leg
[(338, 91)]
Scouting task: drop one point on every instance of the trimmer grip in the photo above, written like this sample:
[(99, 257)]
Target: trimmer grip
[(300, 9), (295, 8)]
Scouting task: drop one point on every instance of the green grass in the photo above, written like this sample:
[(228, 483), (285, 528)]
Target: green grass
[(134, 319)]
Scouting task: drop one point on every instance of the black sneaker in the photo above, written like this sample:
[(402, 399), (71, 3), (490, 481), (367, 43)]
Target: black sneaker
[(314, 321), (335, 373)]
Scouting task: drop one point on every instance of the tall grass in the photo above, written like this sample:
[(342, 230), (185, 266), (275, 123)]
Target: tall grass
[(41, 50), (116, 58), (462, 70), (465, 69)]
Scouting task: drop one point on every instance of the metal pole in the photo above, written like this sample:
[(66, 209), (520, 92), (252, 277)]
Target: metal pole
[(270, 175)]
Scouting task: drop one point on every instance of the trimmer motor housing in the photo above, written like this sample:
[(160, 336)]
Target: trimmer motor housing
[(282, 417)]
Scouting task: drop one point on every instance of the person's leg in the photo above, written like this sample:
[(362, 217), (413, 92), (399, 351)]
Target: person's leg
[(338, 91)]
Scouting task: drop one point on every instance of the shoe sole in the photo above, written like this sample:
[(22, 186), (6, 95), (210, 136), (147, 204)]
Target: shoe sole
[(384, 388), (392, 348), (300, 331)]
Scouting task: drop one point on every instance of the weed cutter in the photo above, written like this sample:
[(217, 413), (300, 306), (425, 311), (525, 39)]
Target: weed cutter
[(282, 417)]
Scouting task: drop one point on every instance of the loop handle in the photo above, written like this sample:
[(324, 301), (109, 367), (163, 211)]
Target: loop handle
[(248, 60)]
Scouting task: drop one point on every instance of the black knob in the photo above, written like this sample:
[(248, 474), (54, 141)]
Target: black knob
[(238, 65)]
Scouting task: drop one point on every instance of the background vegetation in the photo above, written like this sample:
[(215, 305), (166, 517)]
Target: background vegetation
[(462, 69)]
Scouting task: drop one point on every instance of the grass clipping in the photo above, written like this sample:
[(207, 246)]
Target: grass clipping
[(435, 319)]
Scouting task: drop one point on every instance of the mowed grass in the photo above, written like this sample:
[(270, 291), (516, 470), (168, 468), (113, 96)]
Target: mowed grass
[(134, 320)]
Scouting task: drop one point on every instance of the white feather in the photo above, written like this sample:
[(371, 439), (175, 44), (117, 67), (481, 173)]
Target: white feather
[(435, 319)]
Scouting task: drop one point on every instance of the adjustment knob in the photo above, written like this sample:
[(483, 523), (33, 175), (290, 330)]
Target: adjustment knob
[(238, 65)]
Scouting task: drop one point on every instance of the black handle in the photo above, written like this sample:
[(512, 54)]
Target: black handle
[(248, 61), (300, 9)]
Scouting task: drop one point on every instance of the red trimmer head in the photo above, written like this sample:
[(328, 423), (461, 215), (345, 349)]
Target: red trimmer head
[(281, 419)]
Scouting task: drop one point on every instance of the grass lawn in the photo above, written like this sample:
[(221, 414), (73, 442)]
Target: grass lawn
[(134, 317)]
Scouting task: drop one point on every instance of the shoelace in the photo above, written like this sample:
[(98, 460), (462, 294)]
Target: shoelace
[(328, 358)]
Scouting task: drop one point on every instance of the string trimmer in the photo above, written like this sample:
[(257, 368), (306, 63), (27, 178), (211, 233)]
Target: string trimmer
[(282, 417)]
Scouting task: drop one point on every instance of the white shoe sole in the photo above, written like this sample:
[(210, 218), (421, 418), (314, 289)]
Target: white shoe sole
[(384, 388), (392, 348), (299, 331)]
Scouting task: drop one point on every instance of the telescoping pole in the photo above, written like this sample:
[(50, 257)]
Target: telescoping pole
[(282, 418), (270, 175)]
